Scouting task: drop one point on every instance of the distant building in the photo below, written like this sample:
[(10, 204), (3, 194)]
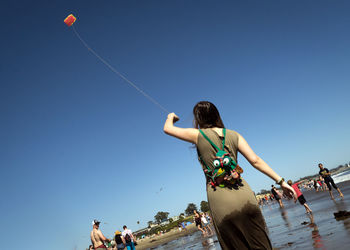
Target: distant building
[(140, 232), (175, 218), (166, 222), (153, 225)]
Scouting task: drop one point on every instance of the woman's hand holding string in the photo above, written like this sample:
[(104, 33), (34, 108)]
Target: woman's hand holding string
[(173, 117), (186, 134)]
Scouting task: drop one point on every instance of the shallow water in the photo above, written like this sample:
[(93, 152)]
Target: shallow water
[(194, 241), (341, 177), (291, 227)]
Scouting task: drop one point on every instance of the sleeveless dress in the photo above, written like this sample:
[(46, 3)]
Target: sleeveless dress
[(237, 217)]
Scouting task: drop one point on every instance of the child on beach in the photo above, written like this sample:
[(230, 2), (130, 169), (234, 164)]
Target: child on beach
[(300, 195), (320, 186), (323, 184), (198, 221), (206, 224)]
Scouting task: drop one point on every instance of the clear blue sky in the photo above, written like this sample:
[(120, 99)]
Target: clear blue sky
[(78, 143)]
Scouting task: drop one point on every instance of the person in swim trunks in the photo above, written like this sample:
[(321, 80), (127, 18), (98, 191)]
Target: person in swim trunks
[(276, 195), (97, 238), (324, 172), (300, 195)]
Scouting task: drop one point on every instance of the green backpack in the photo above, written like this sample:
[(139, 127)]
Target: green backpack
[(226, 172)]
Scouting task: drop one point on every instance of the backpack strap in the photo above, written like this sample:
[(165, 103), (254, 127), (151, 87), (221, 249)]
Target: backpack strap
[(205, 164), (207, 138), (223, 140), (212, 143)]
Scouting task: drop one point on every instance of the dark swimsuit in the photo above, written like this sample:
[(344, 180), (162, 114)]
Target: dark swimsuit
[(328, 179), (198, 221)]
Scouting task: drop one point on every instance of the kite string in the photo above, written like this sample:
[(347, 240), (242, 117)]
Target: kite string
[(118, 73)]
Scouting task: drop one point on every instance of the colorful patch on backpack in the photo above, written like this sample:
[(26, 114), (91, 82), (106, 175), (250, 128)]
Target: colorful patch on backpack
[(226, 170)]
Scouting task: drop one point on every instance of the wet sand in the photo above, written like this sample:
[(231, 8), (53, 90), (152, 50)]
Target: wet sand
[(292, 228), (289, 228), (165, 238)]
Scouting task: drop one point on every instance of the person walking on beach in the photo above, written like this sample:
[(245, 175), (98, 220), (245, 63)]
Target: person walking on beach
[(277, 196), (198, 221), (97, 238), (236, 215), (266, 199), (323, 184), (129, 238), (300, 195), (208, 217), (315, 185), (119, 240), (206, 224), (320, 186), (324, 172)]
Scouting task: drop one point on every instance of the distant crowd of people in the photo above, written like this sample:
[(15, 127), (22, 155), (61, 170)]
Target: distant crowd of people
[(120, 241), (323, 183), (127, 240)]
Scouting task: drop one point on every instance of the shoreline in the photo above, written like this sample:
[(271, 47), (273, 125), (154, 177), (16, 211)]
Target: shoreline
[(165, 238)]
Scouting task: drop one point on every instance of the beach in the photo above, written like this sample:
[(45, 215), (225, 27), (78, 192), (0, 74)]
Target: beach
[(292, 228), (173, 236), (289, 228)]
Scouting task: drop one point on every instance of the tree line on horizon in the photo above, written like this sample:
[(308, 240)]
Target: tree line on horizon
[(162, 216)]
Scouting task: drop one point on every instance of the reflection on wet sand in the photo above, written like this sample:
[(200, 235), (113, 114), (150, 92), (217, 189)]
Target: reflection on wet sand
[(208, 243), (291, 227), (315, 234), (284, 215), (341, 206)]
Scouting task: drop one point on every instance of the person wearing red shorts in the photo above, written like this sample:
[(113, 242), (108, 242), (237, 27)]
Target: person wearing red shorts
[(97, 238), (300, 195)]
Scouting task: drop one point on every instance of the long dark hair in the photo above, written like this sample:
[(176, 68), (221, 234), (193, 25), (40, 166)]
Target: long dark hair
[(206, 115)]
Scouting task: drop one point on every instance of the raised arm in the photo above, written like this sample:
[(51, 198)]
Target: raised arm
[(262, 166), (185, 134)]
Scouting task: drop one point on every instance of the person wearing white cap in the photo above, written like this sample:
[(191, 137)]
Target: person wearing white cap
[(97, 238)]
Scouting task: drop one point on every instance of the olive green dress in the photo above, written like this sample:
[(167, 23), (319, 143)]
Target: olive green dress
[(237, 217)]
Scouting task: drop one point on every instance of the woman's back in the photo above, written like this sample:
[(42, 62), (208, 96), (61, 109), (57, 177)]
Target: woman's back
[(207, 151), (235, 211), (236, 215)]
